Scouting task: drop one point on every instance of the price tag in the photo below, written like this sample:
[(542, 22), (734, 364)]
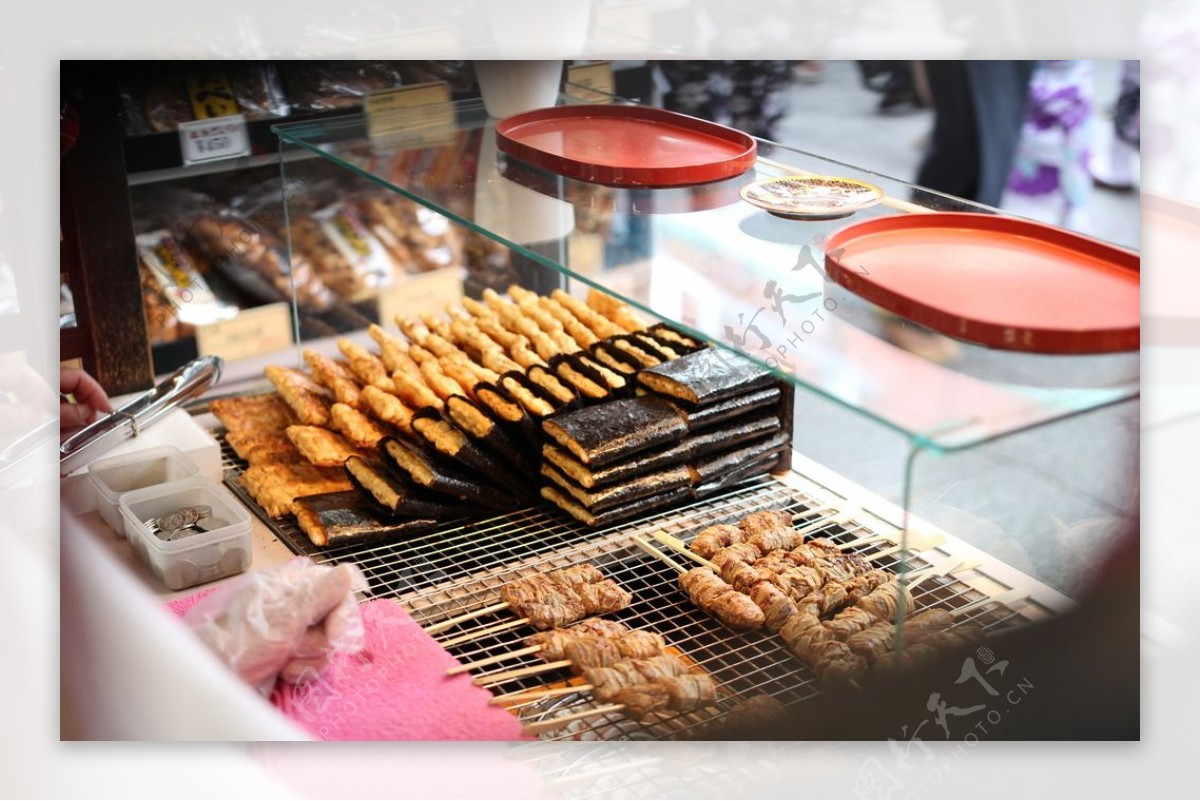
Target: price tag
[(591, 83), (417, 115), (418, 293), (215, 139), (253, 332)]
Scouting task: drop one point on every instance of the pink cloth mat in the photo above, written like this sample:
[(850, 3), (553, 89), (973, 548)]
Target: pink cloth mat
[(395, 689)]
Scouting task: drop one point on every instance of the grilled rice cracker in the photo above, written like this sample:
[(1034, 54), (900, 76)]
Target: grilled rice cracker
[(263, 447), (703, 418), (388, 408), (360, 430), (320, 446), (308, 401), (604, 498), (614, 360), (599, 325), (615, 310), (584, 381), (674, 338), (713, 467), (446, 439), (617, 514), (529, 395), (368, 368), (691, 448), (396, 497), (634, 349), (275, 486), (555, 390), (603, 434), (736, 475), (419, 465), (482, 428), (253, 413), (346, 518), (706, 377)]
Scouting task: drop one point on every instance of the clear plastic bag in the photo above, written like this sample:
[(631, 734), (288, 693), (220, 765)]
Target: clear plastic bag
[(282, 623)]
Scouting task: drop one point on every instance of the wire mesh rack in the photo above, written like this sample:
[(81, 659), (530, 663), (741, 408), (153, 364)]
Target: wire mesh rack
[(462, 568)]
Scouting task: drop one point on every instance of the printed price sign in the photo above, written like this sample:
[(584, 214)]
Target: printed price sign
[(420, 293), (253, 332), (214, 139), (591, 83), (419, 115)]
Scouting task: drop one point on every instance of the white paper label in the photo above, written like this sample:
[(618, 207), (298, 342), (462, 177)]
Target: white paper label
[(214, 139), (264, 329), (423, 292)]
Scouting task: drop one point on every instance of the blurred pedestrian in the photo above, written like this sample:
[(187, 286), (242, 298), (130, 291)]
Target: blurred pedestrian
[(979, 107), (746, 95), (1113, 164), (1050, 179)]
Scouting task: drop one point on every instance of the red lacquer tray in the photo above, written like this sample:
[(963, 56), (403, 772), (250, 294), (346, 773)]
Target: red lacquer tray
[(997, 281), (626, 145)]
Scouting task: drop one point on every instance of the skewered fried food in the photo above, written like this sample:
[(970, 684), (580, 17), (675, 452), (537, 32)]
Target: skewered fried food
[(710, 593), (713, 538), (418, 465), (542, 377), (414, 392), (275, 486), (553, 600), (597, 500), (617, 513), (599, 435), (599, 325), (397, 497), (705, 376), (615, 310)]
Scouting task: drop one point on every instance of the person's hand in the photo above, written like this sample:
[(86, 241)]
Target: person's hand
[(284, 623), (90, 398)]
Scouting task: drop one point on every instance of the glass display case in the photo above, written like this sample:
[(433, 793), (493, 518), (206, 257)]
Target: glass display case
[(991, 483)]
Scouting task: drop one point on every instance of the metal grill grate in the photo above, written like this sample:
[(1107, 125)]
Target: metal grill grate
[(445, 574)]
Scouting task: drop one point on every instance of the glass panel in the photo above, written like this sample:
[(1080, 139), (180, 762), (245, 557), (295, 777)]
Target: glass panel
[(707, 261)]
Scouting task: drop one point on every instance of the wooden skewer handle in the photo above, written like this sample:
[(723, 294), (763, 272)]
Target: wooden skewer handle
[(438, 628), (517, 673), (527, 696), (491, 660), (678, 546), (475, 635), (1003, 599), (534, 729), (657, 554)]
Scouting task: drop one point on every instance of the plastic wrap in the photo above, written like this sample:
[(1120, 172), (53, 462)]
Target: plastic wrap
[(175, 295), (328, 85), (282, 623), (348, 257), (159, 105), (420, 239)]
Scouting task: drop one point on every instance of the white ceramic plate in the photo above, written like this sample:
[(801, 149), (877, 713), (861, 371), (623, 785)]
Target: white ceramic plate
[(812, 197)]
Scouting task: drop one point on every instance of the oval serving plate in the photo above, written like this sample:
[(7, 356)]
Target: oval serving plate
[(812, 197)]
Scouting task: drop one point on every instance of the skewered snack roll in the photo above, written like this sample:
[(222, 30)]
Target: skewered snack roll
[(876, 640), (482, 428), (684, 693), (553, 600), (343, 518), (444, 438), (710, 593), (600, 435)]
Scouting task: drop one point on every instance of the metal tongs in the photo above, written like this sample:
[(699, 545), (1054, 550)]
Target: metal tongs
[(128, 420)]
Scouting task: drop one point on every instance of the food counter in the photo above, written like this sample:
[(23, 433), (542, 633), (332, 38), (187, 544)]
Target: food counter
[(678, 275)]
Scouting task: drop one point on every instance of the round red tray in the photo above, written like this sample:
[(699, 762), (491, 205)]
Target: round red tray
[(997, 281), (626, 145)]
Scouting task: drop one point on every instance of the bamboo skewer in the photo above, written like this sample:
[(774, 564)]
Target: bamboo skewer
[(807, 513), (659, 555), (836, 520), (438, 628), (923, 544), (518, 673), (534, 729), (474, 635), (526, 696), (678, 546), (491, 660)]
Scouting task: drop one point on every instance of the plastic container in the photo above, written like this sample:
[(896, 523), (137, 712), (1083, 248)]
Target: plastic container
[(113, 477), (197, 558)]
